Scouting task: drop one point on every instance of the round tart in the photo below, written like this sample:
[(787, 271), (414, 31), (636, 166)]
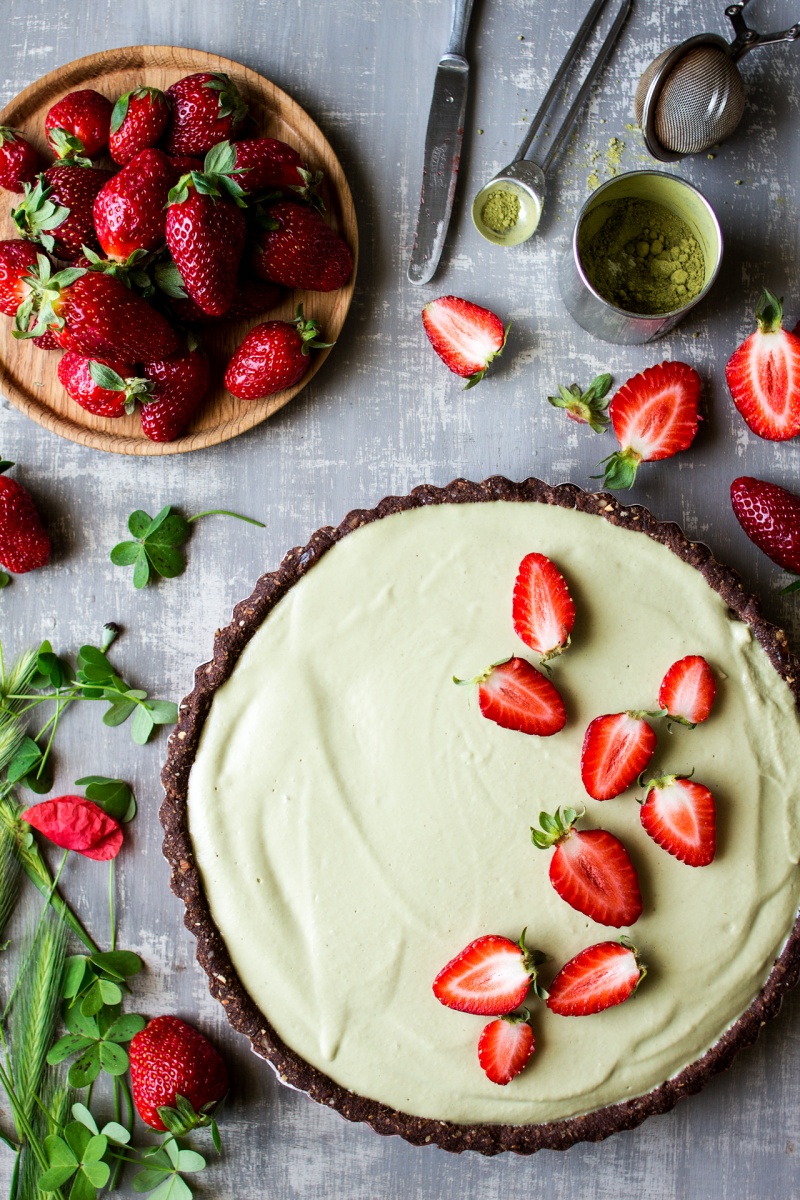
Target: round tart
[(341, 820)]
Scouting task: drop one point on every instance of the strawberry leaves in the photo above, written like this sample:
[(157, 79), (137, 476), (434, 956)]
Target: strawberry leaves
[(157, 548)]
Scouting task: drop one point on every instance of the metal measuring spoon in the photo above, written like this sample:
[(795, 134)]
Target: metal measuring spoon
[(525, 179)]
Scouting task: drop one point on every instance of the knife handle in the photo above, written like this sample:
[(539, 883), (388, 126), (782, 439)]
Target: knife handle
[(462, 11)]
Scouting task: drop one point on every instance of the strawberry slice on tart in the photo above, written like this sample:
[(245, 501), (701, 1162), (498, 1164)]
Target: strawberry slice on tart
[(763, 375), (680, 816), (654, 415), (600, 977), (590, 869), (543, 610), (514, 695), (505, 1046), (616, 749), (490, 977), (687, 691), (466, 337)]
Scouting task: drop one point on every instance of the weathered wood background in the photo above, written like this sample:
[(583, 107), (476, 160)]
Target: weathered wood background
[(381, 417)]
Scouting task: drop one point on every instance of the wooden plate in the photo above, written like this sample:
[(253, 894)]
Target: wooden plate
[(28, 375)]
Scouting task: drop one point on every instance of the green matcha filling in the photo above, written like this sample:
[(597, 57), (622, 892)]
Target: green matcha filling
[(644, 258)]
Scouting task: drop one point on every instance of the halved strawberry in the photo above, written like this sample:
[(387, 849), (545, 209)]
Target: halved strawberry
[(763, 375), (543, 610), (599, 977), (505, 1046), (616, 749), (465, 336), (590, 869), (654, 415), (490, 977), (515, 695), (680, 816), (687, 691)]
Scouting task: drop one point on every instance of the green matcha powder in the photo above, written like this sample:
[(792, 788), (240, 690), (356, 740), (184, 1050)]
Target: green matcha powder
[(644, 258), (501, 211)]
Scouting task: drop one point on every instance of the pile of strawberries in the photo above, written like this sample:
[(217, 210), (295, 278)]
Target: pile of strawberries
[(590, 869), (195, 221)]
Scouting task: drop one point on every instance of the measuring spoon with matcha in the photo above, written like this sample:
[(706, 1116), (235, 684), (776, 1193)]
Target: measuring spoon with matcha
[(508, 209)]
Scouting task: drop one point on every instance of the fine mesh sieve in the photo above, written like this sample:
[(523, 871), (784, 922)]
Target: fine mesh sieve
[(692, 97)]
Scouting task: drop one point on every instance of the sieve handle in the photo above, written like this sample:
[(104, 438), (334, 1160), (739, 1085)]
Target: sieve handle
[(747, 39)]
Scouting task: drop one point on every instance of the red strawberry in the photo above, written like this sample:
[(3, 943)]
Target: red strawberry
[(465, 336), (687, 691), (505, 1046), (24, 545), (251, 298), (57, 212), (17, 259), (616, 749), (95, 314), (681, 816), (180, 383), (597, 978), (543, 610), (206, 231), (515, 695), (654, 415), (46, 341), (491, 976), (770, 516), (79, 124), (129, 210), (207, 109), (298, 249), (587, 408), (170, 1059), (19, 161), (138, 120), (590, 869), (267, 164), (273, 356), (106, 387), (763, 375)]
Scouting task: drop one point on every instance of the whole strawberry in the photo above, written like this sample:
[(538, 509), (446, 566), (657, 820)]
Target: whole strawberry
[(106, 387), (56, 212), (138, 121), (179, 386), (268, 164), (19, 161), (93, 313), (770, 516), (273, 356), (129, 210), (207, 108), (296, 248), (24, 545), (252, 297), (206, 230), (79, 124), (764, 375), (170, 1059), (17, 259)]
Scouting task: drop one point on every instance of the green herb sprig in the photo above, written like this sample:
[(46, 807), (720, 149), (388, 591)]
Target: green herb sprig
[(157, 548)]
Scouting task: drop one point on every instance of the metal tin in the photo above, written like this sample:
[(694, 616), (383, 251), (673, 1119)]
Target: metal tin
[(587, 306)]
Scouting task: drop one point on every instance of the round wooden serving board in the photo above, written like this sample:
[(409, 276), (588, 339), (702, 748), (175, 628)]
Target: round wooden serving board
[(28, 376)]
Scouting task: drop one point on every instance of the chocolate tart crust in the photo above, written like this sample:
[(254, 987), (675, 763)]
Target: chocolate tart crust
[(212, 954)]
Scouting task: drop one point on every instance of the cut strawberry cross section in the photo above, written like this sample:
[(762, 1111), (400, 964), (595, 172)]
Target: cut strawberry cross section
[(506, 1046), (763, 375), (543, 610), (516, 696), (490, 977), (598, 978), (616, 749), (680, 816), (687, 691)]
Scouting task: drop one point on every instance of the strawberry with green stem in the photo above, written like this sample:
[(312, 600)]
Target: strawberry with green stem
[(587, 408), (298, 249), (273, 356), (466, 336), (543, 611), (616, 749), (590, 869), (763, 375), (516, 696), (205, 230), (19, 160), (267, 164), (207, 108), (179, 385), (178, 1077), (79, 124), (680, 816), (17, 258), (57, 211), (107, 388), (688, 691), (138, 121), (505, 1046), (490, 977)]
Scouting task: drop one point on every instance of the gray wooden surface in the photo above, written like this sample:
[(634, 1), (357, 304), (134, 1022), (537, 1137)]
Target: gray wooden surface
[(381, 417)]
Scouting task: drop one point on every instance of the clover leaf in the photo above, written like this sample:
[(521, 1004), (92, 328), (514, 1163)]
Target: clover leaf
[(114, 796), (78, 1153), (163, 1171), (156, 550), (97, 1041)]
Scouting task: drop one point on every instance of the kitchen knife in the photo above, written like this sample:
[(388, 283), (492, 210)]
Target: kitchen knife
[(442, 150)]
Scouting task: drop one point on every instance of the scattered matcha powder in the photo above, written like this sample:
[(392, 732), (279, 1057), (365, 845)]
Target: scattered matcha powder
[(644, 258), (501, 211)]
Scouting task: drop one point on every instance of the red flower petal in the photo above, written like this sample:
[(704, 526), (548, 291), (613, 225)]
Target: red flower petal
[(77, 824)]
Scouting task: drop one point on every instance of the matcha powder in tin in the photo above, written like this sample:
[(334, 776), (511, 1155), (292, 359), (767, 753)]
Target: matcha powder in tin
[(644, 258)]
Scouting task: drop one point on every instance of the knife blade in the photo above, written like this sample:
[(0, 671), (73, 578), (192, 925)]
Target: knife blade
[(442, 150)]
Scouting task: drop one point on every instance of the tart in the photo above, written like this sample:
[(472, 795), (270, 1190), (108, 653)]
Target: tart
[(340, 820)]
